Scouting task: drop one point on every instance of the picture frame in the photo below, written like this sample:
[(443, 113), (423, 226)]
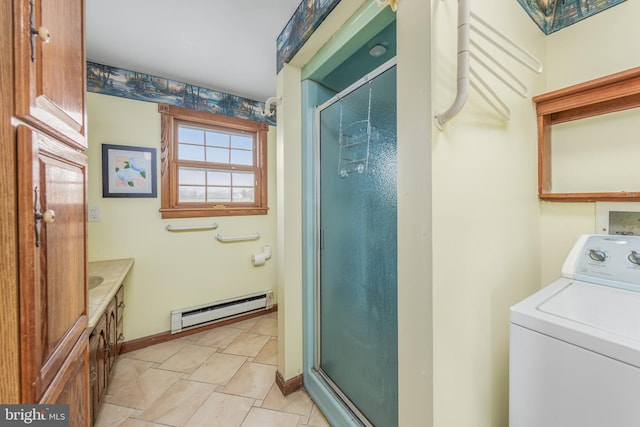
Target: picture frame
[(128, 171)]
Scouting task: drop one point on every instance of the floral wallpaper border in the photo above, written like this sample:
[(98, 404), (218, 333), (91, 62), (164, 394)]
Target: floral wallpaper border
[(554, 15), (306, 19), (108, 80)]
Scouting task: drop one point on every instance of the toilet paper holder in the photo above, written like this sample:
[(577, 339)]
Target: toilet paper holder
[(260, 258)]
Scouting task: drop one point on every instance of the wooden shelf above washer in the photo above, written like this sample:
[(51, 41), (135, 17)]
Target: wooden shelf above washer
[(616, 92)]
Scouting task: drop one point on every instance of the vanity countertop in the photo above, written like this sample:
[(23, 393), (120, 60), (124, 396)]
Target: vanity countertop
[(113, 272)]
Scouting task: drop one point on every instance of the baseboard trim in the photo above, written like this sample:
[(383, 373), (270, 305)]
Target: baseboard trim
[(289, 386), (143, 342)]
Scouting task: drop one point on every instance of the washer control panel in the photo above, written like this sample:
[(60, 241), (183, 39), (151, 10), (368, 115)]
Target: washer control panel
[(606, 260)]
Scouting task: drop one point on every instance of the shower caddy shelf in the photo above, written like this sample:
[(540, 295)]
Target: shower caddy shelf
[(354, 148), (354, 141)]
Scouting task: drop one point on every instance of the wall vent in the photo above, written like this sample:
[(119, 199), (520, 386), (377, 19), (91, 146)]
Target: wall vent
[(194, 317)]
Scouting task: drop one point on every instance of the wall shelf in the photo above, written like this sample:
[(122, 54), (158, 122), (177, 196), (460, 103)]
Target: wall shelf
[(612, 93)]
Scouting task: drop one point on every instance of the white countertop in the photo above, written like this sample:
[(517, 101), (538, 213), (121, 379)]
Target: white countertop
[(113, 272)]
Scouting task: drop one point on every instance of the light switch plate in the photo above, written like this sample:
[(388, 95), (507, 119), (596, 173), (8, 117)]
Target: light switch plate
[(95, 214)]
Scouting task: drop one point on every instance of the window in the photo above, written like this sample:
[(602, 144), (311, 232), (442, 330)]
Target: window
[(212, 165)]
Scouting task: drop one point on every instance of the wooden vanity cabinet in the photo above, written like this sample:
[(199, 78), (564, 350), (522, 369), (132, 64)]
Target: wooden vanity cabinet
[(119, 322), (112, 337), (97, 363), (105, 342)]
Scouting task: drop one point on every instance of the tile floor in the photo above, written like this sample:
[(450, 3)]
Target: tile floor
[(223, 377)]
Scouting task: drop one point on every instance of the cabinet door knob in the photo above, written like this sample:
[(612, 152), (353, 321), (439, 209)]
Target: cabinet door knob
[(42, 33), (121, 305), (121, 337), (92, 374), (48, 216)]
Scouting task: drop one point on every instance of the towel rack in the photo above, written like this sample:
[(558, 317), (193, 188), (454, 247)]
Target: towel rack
[(225, 239), (192, 227), (499, 71)]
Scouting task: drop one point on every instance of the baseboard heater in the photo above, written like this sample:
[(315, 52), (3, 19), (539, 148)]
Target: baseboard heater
[(193, 317)]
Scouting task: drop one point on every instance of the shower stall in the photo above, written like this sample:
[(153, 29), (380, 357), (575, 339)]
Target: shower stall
[(356, 285), (349, 227)]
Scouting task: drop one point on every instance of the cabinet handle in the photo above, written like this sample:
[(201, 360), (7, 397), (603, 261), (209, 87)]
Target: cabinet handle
[(41, 32), (121, 337), (92, 374), (121, 305), (48, 216)]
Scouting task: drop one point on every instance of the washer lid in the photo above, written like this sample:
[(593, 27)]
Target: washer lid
[(598, 318), (601, 307)]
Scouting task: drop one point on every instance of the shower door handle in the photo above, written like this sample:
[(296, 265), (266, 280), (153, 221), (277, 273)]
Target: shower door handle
[(321, 239)]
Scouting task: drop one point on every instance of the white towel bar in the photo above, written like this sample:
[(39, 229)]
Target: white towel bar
[(192, 227), (225, 239)]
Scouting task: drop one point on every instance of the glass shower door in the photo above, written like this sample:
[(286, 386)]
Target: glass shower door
[(357, 277)]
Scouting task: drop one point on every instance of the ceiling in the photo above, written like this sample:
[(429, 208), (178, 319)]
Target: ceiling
[(228, 46)]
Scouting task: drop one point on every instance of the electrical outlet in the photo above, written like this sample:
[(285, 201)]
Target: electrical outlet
[(95, 214)]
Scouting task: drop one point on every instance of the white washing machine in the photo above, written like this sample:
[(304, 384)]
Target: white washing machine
[(575, 344)]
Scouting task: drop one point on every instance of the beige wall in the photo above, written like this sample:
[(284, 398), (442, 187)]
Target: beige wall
[(171, 270), (600, 45), (486, 244), (415, 278)]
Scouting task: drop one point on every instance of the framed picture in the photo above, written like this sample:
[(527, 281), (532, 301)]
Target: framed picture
[(128, 171)]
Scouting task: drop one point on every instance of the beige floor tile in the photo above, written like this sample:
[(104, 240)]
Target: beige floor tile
[(157, 353), (265, 326), (219, 337), (223, 377), (112, 415), (221, 410), (178, 403), (132, 422), (268, 354), (124, 371), (218, 369), (253, 380), (188, 358), (298, 402), (259, 417), (247, 345), (245, 324), (317, 419), (142, 391)]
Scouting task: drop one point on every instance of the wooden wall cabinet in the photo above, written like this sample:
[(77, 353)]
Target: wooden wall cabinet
[(52, 74), (616, 92), (46, 119), (105, 343)]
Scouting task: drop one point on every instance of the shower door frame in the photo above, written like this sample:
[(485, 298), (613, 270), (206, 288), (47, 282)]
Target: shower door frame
[(360, 418)]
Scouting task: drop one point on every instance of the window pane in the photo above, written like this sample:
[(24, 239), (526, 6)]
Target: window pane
[(219, 178), (218, 155), (218, 139), (190, 135), (191, 194), (243, 195), (241, 141), (191, 177), (241, 157), (243, 179), (219, 194), (190, 152)]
